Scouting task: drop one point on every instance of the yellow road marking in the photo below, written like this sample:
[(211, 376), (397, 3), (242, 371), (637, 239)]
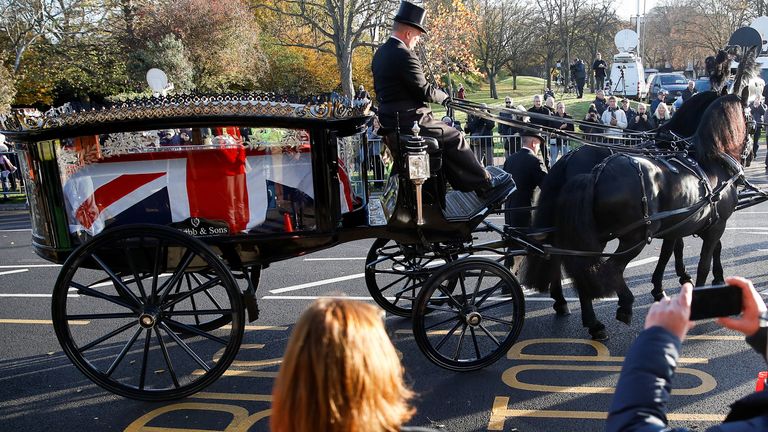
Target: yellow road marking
[(509, 377), (500, 412), (714, 337), (233, 396), (259, 327), (602, 353), (445, 332), (39, 322), (242, 373)]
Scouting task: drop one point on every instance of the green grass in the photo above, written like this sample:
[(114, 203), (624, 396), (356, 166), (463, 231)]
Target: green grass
[(527, 87)]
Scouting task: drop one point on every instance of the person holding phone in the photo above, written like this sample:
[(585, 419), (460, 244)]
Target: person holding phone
[(639, 403)]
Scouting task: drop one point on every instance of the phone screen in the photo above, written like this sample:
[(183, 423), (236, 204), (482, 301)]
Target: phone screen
[(715, 301)]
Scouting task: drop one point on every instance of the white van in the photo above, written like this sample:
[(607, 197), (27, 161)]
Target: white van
[(627, 77)]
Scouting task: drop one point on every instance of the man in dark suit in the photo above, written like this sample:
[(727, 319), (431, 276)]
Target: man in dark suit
[(403, 92), (528, 172)]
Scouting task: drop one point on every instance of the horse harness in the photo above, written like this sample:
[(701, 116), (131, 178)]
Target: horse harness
[(711, 197)]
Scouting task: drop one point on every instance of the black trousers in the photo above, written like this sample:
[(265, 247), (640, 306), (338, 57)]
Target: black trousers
[(599, 83), (580, 86), (462, 168)]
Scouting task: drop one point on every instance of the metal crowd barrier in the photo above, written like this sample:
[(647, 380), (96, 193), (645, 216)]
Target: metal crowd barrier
[(11, 183), (489, 150)]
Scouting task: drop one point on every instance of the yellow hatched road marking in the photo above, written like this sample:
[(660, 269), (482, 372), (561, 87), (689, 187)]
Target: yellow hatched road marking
[(39, 322), (258, 327), (602, 354)]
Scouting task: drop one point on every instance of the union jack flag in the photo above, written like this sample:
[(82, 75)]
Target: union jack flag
[(224, 184)]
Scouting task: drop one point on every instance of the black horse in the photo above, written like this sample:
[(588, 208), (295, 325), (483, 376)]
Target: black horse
[(544, 274), (636, 198)]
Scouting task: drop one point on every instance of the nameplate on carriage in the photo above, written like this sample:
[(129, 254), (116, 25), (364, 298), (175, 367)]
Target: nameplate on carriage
[(198, 227)]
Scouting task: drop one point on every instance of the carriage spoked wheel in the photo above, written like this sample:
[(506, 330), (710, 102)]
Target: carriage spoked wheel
[(469, 314), (129, 317), (395, 273)]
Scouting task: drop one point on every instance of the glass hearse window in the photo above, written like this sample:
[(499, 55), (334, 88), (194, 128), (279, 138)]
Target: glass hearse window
[(204, 181)]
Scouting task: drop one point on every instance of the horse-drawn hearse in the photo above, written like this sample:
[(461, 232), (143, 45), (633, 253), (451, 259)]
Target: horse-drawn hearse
[(164, 211)]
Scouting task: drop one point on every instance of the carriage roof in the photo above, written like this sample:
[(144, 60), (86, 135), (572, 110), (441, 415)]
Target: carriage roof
[(329, 112)]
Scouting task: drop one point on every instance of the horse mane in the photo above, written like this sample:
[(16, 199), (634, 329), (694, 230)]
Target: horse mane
[(722, 129), (688, 117), (718, 69)]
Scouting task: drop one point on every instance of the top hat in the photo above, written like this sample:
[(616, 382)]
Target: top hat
[(533, 133), (412, 15)]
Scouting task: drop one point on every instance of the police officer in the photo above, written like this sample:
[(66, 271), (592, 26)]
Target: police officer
[(403, 92)]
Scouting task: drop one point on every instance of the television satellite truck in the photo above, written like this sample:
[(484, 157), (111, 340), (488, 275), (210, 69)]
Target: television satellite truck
[(627, 72)]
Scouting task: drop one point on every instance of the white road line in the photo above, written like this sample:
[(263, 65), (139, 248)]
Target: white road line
[(30, 265), (13, 272), (367, 298), (335, 259), (317, 283), (757, 232), (360, 275), (16, 230), (762, 228), (33, 295), (750, 212)]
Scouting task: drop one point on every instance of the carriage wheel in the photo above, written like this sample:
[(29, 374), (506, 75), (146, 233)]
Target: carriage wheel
[(474, 324), (394, 275), (123, 321)]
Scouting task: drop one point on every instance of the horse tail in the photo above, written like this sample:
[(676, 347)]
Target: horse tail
[(537, 271), (577, 230)]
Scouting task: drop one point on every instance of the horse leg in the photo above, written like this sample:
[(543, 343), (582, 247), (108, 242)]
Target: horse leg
[(717, 265), (711, 239), (680, 269), (556, 290), (612, 273), (667, 247)]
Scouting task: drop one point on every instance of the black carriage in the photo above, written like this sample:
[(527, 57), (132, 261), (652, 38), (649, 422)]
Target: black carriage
[(158, 207)]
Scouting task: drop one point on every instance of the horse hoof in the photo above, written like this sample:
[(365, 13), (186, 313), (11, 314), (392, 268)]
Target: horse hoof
[(625, 317), (598, 335), (562, 310), (658, 297)]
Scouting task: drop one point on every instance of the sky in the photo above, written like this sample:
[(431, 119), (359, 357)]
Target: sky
[(627, 8)]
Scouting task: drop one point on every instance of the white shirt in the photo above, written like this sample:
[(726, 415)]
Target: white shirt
[(621, 120)]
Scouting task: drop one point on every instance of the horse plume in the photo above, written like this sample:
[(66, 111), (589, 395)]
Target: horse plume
[(718, 69), (748, 69)]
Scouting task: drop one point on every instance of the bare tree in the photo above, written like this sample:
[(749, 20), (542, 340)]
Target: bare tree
[(548, 38), (521, 45), (23, 22), (495, 39), (599, 24), (336, 27)]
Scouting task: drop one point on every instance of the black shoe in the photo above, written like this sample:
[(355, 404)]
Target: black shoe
[(494, 184)]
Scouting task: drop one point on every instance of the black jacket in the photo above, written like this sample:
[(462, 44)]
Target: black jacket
[(598, 67), (528, 172), (639, 126), (688, 93), (543, 110), (400, 83), (557, 123)]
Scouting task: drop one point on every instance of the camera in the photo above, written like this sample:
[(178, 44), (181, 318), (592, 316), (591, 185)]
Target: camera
[(715, 301), (622, 67)]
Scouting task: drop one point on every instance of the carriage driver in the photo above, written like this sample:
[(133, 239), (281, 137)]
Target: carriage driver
[(402, 90)]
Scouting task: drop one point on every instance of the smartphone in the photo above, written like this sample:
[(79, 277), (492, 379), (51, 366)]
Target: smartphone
[(715, 301)]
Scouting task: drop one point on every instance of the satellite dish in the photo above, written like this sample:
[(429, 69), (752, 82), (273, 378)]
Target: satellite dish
[(626, 40), (761, 25), (157, 80), (746, 37)]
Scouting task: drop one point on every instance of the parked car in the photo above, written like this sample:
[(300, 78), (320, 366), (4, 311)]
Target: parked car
[(702, 84), (649, 72), (674, 83)]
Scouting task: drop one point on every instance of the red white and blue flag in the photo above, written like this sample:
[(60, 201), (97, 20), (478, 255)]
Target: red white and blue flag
[(224, 184)]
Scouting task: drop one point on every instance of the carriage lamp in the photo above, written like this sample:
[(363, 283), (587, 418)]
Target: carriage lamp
[(418, 167)]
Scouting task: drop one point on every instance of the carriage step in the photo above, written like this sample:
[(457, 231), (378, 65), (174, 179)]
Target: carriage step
[(467, 205)]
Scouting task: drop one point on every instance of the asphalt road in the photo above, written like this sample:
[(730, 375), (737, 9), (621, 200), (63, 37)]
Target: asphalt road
[(553, 379)]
